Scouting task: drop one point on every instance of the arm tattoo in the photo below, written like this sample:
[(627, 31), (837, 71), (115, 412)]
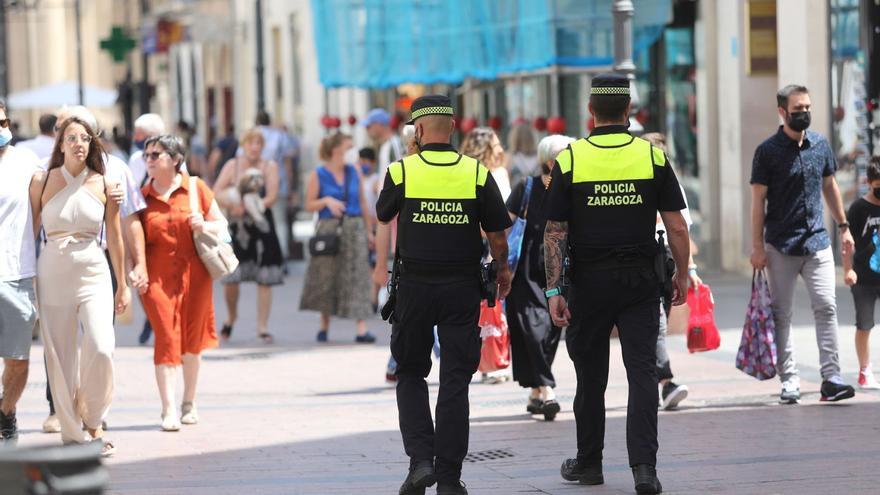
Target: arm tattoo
[(555, 238)]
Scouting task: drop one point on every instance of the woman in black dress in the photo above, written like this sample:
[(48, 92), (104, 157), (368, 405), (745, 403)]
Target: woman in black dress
[(533, 337)]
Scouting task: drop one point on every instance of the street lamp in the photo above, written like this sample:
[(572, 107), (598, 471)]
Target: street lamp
[(623, 11)]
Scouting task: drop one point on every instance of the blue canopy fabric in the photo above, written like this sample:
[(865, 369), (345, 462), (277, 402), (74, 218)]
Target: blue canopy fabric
[(383, 43)]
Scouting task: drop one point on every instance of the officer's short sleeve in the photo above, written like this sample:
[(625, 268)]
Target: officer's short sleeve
[(514, 201), (390, 199), (558, 196), (669, 192), (493, 213), (760, 171)]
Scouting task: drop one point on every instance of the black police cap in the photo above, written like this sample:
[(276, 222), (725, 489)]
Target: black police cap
[(610, 84), (430, 105)]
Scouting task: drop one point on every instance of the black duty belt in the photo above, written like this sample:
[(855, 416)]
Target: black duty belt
[(439, 270), (614, 258)]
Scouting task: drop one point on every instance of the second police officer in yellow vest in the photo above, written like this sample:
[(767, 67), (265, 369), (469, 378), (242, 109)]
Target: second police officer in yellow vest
[(442, 201), (603, 201)]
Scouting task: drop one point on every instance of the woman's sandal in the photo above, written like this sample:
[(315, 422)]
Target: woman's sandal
[(226, 332), (107, 447), (266, 338)]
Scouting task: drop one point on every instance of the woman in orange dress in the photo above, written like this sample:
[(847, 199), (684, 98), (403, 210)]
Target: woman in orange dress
[(179, 299)]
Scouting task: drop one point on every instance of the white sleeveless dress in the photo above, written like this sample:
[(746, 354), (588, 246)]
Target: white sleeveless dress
[(73, 290)]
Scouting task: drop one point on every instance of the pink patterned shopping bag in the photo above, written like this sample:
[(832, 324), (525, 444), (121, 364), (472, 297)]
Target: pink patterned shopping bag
[(757, 349)]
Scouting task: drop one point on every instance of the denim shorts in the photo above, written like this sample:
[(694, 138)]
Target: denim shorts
[(17, 317), (865, 297)]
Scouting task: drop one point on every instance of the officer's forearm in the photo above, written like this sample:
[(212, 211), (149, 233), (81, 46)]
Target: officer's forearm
[(383, 241), (498, 247), (680, 245), (555, 237)]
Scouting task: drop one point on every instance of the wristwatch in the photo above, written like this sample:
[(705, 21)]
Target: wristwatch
[(552, 292), (843, 226)]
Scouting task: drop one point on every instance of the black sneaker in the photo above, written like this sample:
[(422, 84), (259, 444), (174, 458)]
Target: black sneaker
[(421, 476), (549, 409), (451, 488), (583, 473), (534, 405), (645, 478), (833, 391), (366, 338), (8, 427), (673, 394)]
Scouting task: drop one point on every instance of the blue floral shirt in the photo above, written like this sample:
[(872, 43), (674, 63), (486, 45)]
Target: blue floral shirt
[(793, 175)]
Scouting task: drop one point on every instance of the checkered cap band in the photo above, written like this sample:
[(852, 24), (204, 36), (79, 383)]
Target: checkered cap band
[(609, 90), (431, 111)]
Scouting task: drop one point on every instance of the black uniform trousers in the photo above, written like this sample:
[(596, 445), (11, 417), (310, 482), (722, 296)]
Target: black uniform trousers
[(600, 299), (454, 307)]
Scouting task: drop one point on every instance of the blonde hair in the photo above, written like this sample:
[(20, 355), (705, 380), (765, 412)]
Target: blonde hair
[(329, 143), (478, 144), (521, 139), (658, 139), (253, 134)]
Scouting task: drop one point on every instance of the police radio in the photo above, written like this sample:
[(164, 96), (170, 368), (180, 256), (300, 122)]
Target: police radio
[(489, 283)]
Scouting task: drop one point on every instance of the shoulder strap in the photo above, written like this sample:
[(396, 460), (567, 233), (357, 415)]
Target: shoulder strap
[(193, 196), (43, 190), (524, 207)]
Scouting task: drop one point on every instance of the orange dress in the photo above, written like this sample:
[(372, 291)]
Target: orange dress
[(179, 301)]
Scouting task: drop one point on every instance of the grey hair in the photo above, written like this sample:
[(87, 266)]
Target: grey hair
[(407, 134), (150, 123), (551, 146), (783, 94), (172, 145)]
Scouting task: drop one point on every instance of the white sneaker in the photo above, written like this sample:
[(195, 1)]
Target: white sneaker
[(52, 424), (189, 415), (170, 422), (867, 380), (791, 391)]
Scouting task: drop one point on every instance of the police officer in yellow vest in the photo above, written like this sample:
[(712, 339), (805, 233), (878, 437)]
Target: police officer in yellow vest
[(442, 199), (603, 200)]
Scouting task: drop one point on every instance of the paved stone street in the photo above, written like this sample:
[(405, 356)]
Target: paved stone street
[(298, 418)]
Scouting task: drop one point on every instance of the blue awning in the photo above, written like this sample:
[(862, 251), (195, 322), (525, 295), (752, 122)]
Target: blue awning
[(383, 43)]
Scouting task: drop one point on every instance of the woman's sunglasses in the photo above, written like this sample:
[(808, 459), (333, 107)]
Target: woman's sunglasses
[(4, 123), (153, 155)]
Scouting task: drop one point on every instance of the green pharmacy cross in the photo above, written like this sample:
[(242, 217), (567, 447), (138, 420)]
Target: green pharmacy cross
[(118, 44)]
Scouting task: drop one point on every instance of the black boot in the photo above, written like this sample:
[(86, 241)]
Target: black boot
[(421, 476), (645, 478), (451, 488), (583, 473)]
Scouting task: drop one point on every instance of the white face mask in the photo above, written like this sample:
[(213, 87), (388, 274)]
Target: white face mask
[(5, 136)]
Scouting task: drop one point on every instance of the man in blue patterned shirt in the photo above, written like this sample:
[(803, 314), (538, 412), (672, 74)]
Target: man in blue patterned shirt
[(791, 172)]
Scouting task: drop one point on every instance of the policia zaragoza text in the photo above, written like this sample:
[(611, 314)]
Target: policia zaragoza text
[(453, 213), (441, 200)]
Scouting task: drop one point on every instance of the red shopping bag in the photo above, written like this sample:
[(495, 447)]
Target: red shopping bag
[(495, 354), (702, 333)]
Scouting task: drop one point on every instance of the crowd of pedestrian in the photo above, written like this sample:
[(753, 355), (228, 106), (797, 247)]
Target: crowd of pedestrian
[(121, 231)]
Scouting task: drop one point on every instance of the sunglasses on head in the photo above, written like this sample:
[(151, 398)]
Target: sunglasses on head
[(4, 123)]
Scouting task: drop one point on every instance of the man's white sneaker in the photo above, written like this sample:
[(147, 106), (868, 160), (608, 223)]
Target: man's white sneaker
[(867, 380), (791, 391), (52, 425)]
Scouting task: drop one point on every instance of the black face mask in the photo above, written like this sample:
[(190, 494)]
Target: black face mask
[(545, 169), (876, 192), (799, 121)]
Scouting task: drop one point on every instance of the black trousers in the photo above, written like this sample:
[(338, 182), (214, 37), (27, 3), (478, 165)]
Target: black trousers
[(454, 308), (628, 298), (533, 337)]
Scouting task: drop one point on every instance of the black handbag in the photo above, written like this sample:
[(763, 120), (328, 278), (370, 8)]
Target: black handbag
[(329, 244)]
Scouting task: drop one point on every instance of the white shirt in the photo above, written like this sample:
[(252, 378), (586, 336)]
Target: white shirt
[(138, 167), (390, 151), (41, 145), (17, 251)]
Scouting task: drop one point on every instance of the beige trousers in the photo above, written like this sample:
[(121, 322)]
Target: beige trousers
[(74, 291)]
